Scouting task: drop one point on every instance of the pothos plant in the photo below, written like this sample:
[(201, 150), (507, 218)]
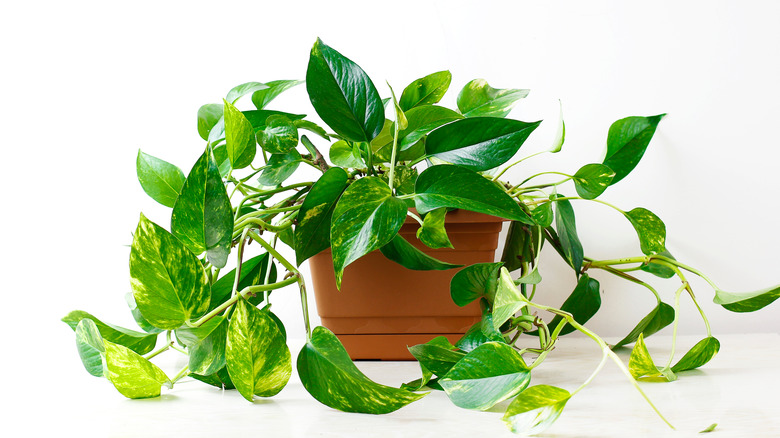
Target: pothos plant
[(421, 162)]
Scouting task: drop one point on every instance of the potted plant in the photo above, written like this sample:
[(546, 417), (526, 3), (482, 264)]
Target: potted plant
[(420, 167)]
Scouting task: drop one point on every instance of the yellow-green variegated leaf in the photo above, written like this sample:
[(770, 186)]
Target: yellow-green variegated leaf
[(432, 232), (641, 364), (168, 281), (139, 342), (239, 137), (650, 229), (205, 345), (535, 409), (508, 299), (747, 301), (329, 375), (90, 347), (131, 374), (258, 359)]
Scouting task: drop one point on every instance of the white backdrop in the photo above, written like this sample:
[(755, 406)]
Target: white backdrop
[(86, 84)]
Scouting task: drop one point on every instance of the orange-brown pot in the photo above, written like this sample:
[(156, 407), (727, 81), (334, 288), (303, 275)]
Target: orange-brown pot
[(383, 307)]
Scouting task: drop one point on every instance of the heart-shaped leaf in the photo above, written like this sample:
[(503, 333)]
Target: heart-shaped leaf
[(239, 138), (202, 217), (366, 218), (509, 300), (661, 316), (592, 179), (168, 281), (208, 116), (342, 154), (90, 347), (437, 355), (535, 409), (139, 342), (423, 120), (641, 364), (262, 97), (206, 345), (161, 180), (626, 143), (457, 187), (279, 168), (479, 143), (433, 232), (258, 359), (239, 91), (700, 354), (747, 301), (343, 95), (426, 90), (475, 281), (139, 318), (312, 234), (131, 374), (650, 229), (583, 303), (405, 254), (487, 375), (478, 99), (279, 136), (566, 226), (329, 375)]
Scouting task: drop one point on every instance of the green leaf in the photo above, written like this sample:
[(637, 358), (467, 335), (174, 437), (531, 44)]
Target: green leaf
[(239, 138), (566, 226), (543, 214), (700, 354), (479, 143), (382, 144), (242, 90), (366, 218), (343, 95), (641, 364), (508, 300), (560, 136), (260, 119), (661, 316), (487, 375), (400, 117), (202, 217), (432, 232), (311, 127), (161, 180), (220, 379), (520, 248), (206, 345), (535, 409), (626, 143), (253, 272), (279, 135), (208, 116), (139, 318), (437, 355), (168, 281), (90, 346), (312, 234), (473, 338), (258, 359), (747, 301), (279, 168), (423, 120), (457, 187), (405, 177), (475, 281), (131, 374), (426, 90), (709, 428), (583, 303), (650, 229), (264, 96), (660, 270), (405, 254), (139, 342), (343, 155), (329, 375), (478, 99), (592, 179)]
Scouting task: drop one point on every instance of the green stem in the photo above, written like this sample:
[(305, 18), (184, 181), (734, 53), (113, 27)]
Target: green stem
[(182, 374), (239, 260), (516, 163), (545, 173), (676, 319), (391, 178), (415, 217), (249, 290), (163, 348)]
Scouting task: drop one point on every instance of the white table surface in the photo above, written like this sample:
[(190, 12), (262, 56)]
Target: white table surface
[(738, 390)]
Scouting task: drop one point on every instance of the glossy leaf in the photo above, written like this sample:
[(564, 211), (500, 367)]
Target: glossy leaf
[(457, 187), (279, 135), (258, 360), (700, 354), (220, 379), (437, 355), (161, 180), (626, 143), (202, 217), (478, 99), (592, 179), (312, 234), (566, 226), (90, 346), (475, 281), (242, 90), (260, 119), (343, 95), (521, 245), (479, 143), (311, 127), (426, 90), (131, 374), (423, 120), (661, 316), (262, 97), (206, 345), (405, 254), (560, 135), (650, 229), (279, 168), (543, 214), (168, 281), (508, 300), (747, 301), (343, 155), (473, 338), (382, 144), (405, 177), (660, 270), (139, 318), (139, 342), (641, 364), (487, 375), (583, 303), (329, 375), (253, 272), (433, 232), (366, 218), (240, 142), (208, 116), (535, 409)]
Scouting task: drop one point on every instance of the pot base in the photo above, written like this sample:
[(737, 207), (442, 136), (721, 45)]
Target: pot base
[(388, 347)]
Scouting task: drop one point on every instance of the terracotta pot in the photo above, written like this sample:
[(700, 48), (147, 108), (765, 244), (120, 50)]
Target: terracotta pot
[(383, 307)]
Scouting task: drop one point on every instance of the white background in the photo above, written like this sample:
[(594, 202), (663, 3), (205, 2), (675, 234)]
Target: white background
[(86, 84)]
